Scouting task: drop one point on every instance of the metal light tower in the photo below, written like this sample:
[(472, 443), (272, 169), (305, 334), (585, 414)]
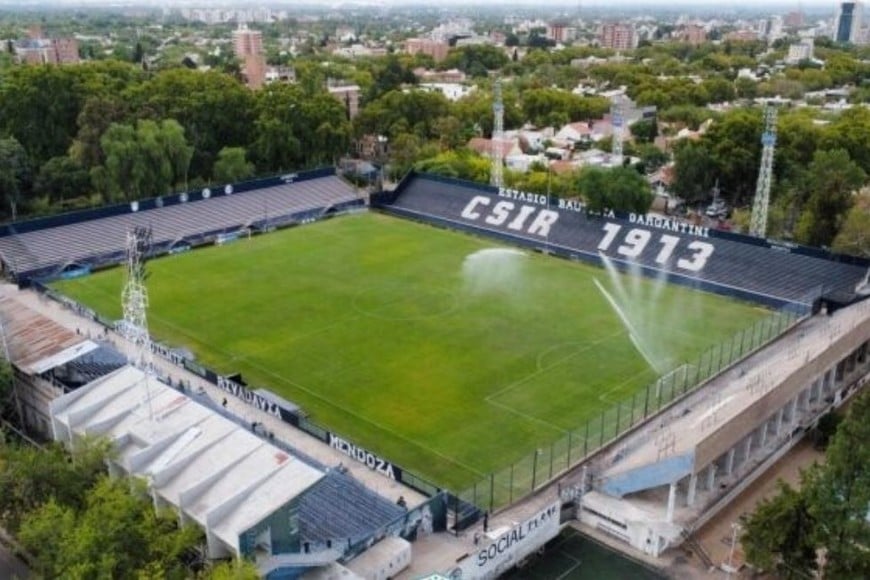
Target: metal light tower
[(135, 295), (758, 225), (496, 175), (134, 299), (617, 122)]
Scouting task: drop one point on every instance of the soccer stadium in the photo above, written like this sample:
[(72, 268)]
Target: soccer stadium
[(450, 335)]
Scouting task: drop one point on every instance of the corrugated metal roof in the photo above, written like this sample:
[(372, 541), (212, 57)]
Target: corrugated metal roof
[(37, 343)]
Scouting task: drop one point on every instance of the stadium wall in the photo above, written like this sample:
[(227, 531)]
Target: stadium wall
[(220, 235), (389, 197), (161, 201), (454, 207)]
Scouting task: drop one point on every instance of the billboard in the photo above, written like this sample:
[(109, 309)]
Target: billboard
[(498, 555)]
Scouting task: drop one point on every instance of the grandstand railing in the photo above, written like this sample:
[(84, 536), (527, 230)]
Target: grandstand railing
[(106, 259), (190, 196), (554, 458)]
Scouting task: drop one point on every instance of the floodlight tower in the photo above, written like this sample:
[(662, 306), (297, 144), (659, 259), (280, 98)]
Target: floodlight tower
[(758, 225), (617, 122), (134, 299), (496, 175)]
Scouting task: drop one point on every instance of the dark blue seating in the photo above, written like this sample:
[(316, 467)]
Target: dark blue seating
[(338, 507), (83, 242), (736, 265)]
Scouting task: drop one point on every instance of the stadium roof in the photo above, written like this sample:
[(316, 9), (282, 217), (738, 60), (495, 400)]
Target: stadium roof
[(212, 470), (36, 343)]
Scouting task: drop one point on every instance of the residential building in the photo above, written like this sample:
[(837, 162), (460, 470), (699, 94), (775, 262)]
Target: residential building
[(794, 19), (847, 27), (453, 91), (693, 34), (616, 36), (349, 96), (248, 45), (800, 51), (452, 75), (345, 34), (742, 36), (66, 50), (38, 50), (280, 74), (510, 146), (560, 32), (247, 41), (358, 50), (434, 48), (770, 28)]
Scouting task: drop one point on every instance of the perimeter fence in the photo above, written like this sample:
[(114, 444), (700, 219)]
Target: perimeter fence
[(537, 469)]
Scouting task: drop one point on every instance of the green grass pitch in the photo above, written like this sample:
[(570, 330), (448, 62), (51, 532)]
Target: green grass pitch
[(375, 327)]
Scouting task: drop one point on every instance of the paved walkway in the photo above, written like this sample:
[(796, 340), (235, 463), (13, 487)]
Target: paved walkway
[(11, 567), (295, 438), (716, 536)]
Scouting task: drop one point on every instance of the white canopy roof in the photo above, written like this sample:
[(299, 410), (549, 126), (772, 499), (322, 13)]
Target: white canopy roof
[(214, 471)]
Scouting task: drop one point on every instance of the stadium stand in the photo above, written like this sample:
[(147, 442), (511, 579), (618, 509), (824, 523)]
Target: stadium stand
[(100, 241), (339, 506), (721, 262), (97, 363)]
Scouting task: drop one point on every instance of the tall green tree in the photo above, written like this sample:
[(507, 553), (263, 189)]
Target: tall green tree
[(60, 179), (828, 515), (115, 534), (145, 160), (476, 60), (854, 235), (171, 140), (15, 174), (232, 165), (832, 178), (97, 114), (694, 171), (30, 476), (215, 110), (620, 189), (399, 112), (39, 106), (735, 144), (296, 129), (233, 570), (6, 403), (120, 172), (540, 106), (645, 130), (461, 163), (779, 536), (404, 152), (839, 495)]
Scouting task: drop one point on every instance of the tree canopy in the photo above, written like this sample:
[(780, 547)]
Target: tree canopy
[(620, 189), (77, 522), (828, 514)]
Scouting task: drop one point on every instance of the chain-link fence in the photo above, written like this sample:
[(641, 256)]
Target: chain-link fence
[(555, 457)]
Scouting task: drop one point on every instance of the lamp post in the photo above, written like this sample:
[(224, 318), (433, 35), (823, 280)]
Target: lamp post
[(383, 141), (535, 468), (729, 569)]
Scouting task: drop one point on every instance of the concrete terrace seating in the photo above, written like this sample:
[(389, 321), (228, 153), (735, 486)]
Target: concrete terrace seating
[(90, 366), (736, 267), (81, 242), (339, 507)]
